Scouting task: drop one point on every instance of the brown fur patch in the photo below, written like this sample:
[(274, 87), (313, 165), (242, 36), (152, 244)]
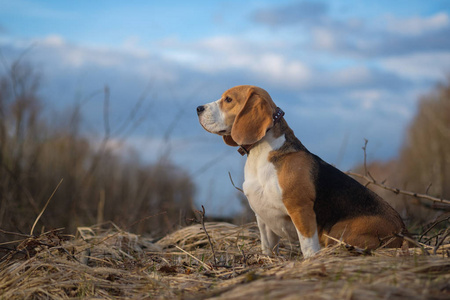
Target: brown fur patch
[(368, 232), (249, 113), (298, 192), (253, 120)]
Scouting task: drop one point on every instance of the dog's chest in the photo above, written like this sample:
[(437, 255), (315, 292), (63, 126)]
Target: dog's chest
[(263, 190), (261, 185)]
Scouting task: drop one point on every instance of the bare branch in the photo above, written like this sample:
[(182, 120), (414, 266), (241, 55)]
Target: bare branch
[(414, 242), (432, 226), (202, 221), (146, 218), (106, 113), (45, 206), (398, 191), (441, 241), (428, 187), (348, 246), (231, 179), (365, 156), (133, 120), (370, 180)]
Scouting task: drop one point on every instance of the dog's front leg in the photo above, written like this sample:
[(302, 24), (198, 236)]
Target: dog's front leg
[(309, 245), (269, 240), (304, 219)]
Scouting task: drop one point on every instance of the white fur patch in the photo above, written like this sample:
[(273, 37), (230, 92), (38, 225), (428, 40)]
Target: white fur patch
[(213, 119), (310, 245)]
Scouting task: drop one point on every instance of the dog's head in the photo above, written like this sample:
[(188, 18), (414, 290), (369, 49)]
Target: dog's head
[(242, 115)]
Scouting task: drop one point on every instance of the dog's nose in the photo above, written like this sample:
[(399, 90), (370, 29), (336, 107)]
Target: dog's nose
[(200, 109)]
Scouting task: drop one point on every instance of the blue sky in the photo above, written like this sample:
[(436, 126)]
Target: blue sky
[(342, 70)]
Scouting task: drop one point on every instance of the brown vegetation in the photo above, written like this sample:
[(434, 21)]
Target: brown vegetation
[(109, 263), (98, 182), (423, 166), (425, 158)]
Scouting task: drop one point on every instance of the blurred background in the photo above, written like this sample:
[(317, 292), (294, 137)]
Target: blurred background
[(102, 94)]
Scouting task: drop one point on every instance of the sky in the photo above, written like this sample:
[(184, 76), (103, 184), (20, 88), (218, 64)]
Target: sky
[(342, 70)]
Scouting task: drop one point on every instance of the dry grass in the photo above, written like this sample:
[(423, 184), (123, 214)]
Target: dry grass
[(108, 263)]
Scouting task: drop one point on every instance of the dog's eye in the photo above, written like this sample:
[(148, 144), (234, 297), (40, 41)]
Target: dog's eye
[(228, 99)]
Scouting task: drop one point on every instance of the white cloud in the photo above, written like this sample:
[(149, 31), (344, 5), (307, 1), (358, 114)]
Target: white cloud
[(428, 66), (131, 45), (223, 53), (116, 146), (417, 25), (324, 38), (368, 97), (222, 44), (351, 75), (55, 51), (380, 37), (279, 69), (52, 41), (74, 55)]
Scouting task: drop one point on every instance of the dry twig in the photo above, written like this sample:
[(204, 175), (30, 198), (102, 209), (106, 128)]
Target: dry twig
[(414, 242), (45, 206), (192, 256), (231, 179), (348, 246), (441, 241), (370, 180), (202, 221), (433, 225), (396, 190)]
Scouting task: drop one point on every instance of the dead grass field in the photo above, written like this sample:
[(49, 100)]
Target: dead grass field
[(105, 262)]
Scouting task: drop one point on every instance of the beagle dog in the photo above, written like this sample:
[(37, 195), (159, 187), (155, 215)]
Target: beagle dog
[(294, 193)]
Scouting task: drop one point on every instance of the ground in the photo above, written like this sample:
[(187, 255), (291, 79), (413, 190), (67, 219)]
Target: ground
[(106, 262)]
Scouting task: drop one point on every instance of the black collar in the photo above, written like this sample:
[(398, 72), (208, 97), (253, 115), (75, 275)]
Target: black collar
[(276, 117)]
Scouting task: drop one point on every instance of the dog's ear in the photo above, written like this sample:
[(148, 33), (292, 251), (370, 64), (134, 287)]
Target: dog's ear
[(229, 141), (254, 119)]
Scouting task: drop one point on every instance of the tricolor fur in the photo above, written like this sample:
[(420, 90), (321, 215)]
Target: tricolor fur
[(294, 193)]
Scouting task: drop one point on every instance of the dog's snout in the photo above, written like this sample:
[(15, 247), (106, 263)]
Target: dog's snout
[(200, 109)]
